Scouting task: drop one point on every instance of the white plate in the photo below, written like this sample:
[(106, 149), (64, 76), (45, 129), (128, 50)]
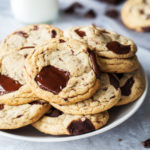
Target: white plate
[(117, 116)]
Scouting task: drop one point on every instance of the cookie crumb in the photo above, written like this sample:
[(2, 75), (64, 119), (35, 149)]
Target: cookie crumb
[(112, 13), (90, 14), (146, 143)]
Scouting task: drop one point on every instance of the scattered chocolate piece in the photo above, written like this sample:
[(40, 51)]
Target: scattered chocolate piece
[(62, 41), (53, 35), (120, 140), (113, 2), (72, 7), (26, 55), (19, 116), (146, 143), (112, 13), (8, 85), (118, 48), (26, 47), (52, 79), (95, 66), (1, 106), (21, 33), (126, 89), (54, 112), (146, 29), (113, 81), (90, 14), (78, 127), (80, 33)]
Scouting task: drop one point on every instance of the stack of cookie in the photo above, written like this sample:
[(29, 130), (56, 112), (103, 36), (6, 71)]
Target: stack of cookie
[(63, 83)]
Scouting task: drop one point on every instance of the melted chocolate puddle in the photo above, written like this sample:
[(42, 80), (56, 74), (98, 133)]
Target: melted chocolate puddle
[(52, 79), (8, 85), (118, 48), (95, 66), (113, 81)]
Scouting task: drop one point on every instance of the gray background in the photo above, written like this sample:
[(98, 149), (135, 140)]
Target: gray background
[(134, 130)]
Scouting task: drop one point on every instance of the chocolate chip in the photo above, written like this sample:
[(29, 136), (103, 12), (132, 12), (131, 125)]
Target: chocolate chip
[(113, 81), (126, 89), (112, 13), (52, 79), (26, 55), (8, 85), (38, 103), (78, 127), (119, 75), (90, 14), (35, 27), (80, 33), (118, 48), (62, 41), (72, 7), (54, 112), (19, 116), (141, 11), (146, 29), (53, 33), (146, 143), (113, 2), (112, 97), (21, 33), (1, 106), (26, 47), (65, 99), (95, 66)]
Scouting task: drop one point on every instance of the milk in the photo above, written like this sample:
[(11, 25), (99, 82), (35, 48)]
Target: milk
[(35, 11)]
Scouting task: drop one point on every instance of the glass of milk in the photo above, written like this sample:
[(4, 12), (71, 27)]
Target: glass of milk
[(35, 11)]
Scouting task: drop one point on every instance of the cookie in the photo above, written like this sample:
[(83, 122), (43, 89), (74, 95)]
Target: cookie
[(58, 123), (132, 86), (117, 65), (24, 40), (135, 15), (14, 50), (106, 43), (63, 71), (13, 117), (106, 97)]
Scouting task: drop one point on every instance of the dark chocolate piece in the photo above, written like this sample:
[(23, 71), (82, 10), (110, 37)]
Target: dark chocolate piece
[(1, 106), (21, 33), (146, 143), (53, 35), (112, 13), (126, 89), (118, 48), (19, 116), (80, 33), (113, 81), (8, 85), (95, 66), (78, 127), (119, 75), (62, 41), (54, 112), (52, 79), (90, 14), (146, 29)]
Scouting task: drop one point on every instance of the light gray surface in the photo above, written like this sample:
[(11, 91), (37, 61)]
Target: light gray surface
[(132, 132)]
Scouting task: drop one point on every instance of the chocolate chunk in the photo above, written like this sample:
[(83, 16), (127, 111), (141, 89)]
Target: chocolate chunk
[(8, 85), (54, 112), (95, 66), (146, 29), (62, 41), (80, 33), (118, 48), (113, 2), (113, 81), (26, 55), (119, 75), (78, 127), (1, 106), (126, 89), (26, 47), (19, 116), (21, 33), (35, 27), (53, 35), (38, 103), (90, 14), (146, 143), (52, 79), (112, 13), (72, 7)]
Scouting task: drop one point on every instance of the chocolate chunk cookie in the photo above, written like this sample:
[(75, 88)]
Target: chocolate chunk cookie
[(13, 117), (58, 123), (106, 97), (136, 15), (106, 43), (63, 71)]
